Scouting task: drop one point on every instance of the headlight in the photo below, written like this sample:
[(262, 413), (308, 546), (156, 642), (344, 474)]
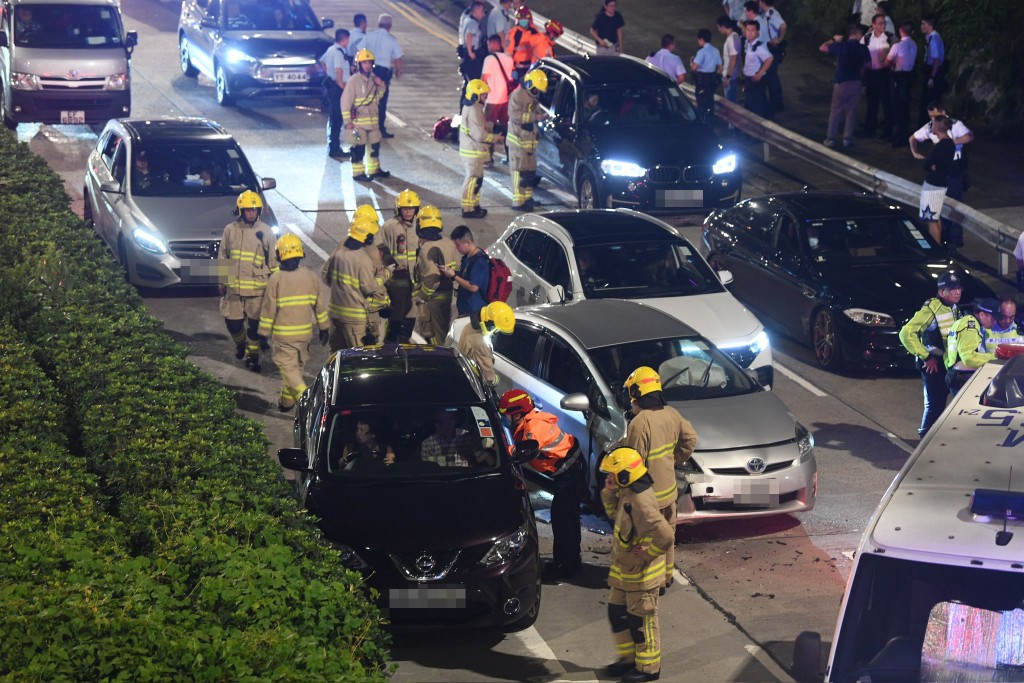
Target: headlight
[(349, 557), (760, 342), (506, 547), (804, 441), (755, 345), (626, 169), (25, 81), (869, 318), (726, 164), (234, 56), (148, 241), (116, 82)]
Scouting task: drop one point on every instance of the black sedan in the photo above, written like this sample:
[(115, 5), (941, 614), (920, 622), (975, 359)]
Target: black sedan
[(401, 454), (620, 133), (842, 272)]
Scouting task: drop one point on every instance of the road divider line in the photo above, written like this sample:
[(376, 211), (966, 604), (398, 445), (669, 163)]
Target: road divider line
[(800, 380), (758, 653), (535, 644), (420, 21), (307, 240), (680, 578), (398, 122), (900, 443)]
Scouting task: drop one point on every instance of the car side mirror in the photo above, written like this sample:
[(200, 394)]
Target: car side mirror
[(3, 39), (807, 657), (725, 277), (326, 23), (112, 186), (131, 39), (522, 453), (577, 402), (293, 459), (268, 183)]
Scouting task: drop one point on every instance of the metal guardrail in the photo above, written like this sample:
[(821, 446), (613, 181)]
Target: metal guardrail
[(872, 179)]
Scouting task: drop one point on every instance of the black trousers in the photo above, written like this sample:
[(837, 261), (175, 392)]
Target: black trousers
[(877, 96), (756, 97), (901, 82), (384, 74), (565, 514), (956, 379), (334, 118), (929, 94), (705, 85)]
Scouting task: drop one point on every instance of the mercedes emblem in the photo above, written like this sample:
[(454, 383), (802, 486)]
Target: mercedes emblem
[(756, 465)]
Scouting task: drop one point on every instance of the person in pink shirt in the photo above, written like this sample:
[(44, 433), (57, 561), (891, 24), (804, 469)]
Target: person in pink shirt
[(499, 75)]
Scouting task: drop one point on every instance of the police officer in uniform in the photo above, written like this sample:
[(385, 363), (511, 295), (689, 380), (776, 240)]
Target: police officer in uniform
[(965, 349), (559, 458), (925, 336), (293, 300), (640, 538), (338, 71), (664, 438), (398, 234), (1006, 330)]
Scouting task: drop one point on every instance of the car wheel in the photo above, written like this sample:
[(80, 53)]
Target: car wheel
[(587, 192), (825, 339), (529, 618), (186, 63), (224, 96), (9, 123), (122, 257)]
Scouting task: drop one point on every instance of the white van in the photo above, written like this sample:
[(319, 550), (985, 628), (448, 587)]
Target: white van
[(937, 589), (64, 62)]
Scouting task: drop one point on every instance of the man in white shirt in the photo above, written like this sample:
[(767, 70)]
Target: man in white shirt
[(337, 72), (706, 65), (388, 63), (732, 67), (471, 44), (356, 36), (499, 21), (876, 78), (667, 60)]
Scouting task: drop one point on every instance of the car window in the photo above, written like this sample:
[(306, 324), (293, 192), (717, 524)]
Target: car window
[(117, 169), (564, 105), (315, 415), (532, 250), (182, 170), (60, 26), (269, 15), (874, 238), (637, 104), (644, 270), (547, 97), (213, 10), (563, 368), (512, 241), (414, 441), (754, 222), (519, 347), (691, 368), (556, 266), (787, 240), (110, 147)]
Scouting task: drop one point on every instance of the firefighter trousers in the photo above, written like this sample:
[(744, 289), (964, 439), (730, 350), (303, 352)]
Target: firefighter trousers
[(633, 616), (291, 357)]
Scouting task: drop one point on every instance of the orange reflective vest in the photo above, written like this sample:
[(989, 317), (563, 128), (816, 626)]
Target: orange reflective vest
[(555, 444)]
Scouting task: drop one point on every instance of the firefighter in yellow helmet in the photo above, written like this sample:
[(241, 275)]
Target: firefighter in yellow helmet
[(432, 291), (360, 101), (377, 306), (398, 234), (247, 258), (474, 342), (476, 138), (293, 301), (664, 438), (349, 274), (640, 538), (523, 114)]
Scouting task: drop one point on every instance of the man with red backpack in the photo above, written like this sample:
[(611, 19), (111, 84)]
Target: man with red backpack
[(473, 275)]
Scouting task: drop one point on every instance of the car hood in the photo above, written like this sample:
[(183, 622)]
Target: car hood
[(279, 44), (647, 145), (186, 218), (424, 514), (719, 317), (89, 63), (756, 419)]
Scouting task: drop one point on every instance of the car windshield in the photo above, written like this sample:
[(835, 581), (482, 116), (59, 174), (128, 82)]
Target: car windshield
[(643, 271), (878, 238), (189, 169), (690, 368), (414, 441), (269, 15), (67, 26), (636, 104)]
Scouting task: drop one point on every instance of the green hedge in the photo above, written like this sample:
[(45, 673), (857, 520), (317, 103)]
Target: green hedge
[(145, 535)]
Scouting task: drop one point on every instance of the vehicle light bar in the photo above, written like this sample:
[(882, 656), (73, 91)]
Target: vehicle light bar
[(998, 504)]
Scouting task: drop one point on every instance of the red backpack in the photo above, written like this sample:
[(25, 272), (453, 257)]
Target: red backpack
[(499, 282)]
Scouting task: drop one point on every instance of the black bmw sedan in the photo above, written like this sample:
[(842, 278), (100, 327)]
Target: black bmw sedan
[(841, 272), (401, 455)]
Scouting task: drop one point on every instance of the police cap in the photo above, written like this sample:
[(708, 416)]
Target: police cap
[(950, 281)]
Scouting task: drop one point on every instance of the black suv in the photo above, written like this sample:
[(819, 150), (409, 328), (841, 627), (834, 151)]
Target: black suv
[(249, 47), (620, 132), (402, 456)]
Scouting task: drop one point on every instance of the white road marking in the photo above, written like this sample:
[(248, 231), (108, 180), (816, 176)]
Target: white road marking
[(498, 186), (308, 241), (538, 647), (566, 197), (767, 662), (398, 121), (680, 578), (900, 443), (799, 380)]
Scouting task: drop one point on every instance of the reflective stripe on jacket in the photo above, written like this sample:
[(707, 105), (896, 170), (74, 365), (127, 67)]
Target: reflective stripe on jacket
[(349, 273), (554, 443), (359, 101), (430, 256), (248, 254), (965, 349), (664, 438), (522, 108), (377, 301), (925, 333), (475, 132), (638, 521), (293, 299)]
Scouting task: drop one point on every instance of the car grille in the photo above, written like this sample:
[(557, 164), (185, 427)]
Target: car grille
[(195, 249), (744, 472), (664, 174), (426, 565), (75, 104), (56, 83), (697, 174), (743, 356)]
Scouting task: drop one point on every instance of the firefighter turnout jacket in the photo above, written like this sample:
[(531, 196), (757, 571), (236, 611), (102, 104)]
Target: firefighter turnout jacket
[(431, 255), (638, 523), (291, 302), (359, 101), (349, 273), (249, 257), (522, 109), (555, 445), (925, 333), (475, 133), (664, 438), (377, 301)]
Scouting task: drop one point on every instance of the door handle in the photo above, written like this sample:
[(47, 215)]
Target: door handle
[(808, 292)]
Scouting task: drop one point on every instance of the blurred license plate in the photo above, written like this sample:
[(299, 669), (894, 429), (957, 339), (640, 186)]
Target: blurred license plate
[(435, 597), (72, 117), (200, 270), (290, 77), (756, 493), (679, 199)]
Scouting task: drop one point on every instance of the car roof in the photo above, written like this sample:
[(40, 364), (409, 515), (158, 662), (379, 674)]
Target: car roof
[(110, 3), (175, 130), (609, 322), (604, 226), (606, 70), (926, 514), (824, 205), (403, 373)]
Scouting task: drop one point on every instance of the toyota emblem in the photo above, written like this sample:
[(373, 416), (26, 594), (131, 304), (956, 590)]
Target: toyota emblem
[(74, 75), (756, 465), (425, 563)]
